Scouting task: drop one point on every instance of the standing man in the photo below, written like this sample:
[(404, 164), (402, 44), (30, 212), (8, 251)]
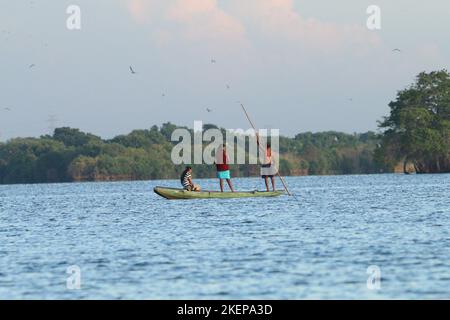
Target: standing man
[(269, 167), (223, 170)]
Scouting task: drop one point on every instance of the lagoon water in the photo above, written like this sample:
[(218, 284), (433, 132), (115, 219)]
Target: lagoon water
[(131, 244)]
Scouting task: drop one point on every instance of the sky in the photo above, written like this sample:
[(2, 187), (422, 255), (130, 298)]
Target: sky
[(296, 65)]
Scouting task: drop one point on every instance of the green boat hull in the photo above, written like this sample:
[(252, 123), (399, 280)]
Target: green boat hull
[(176, 194)]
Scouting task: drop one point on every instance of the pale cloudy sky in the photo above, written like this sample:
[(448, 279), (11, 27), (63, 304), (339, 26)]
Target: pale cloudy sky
[(306, 65)]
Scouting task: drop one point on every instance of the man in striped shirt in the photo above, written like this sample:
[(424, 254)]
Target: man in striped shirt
[(186, 180)]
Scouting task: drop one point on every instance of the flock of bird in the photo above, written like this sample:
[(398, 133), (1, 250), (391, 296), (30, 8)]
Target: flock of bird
[(134, 72)]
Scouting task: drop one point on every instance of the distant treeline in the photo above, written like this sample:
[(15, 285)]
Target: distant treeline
[(72, 155), (416, 134)]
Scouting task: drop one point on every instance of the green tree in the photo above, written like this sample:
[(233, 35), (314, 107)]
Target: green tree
[(73, 137), (418, 127)]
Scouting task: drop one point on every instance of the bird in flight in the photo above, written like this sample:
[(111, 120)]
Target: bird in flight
[(7, 109), (132, 70), (31, 66), (209, 110), (397, 50), (213, 60)]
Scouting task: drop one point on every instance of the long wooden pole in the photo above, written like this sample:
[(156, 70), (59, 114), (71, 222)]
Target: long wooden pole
[(257, 137)]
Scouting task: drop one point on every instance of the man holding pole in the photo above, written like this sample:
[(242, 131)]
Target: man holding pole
[(269, 167), (273, 169)]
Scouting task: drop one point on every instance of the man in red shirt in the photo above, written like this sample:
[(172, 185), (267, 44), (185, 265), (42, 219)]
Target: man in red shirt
[(223, 170)]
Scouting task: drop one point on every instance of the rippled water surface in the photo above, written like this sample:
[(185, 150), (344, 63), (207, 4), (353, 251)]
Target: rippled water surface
[(131, 244)]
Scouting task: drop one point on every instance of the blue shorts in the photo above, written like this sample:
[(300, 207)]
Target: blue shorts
[(223, 174)]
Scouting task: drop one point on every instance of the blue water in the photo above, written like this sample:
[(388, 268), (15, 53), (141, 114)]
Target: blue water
[(131, 244)]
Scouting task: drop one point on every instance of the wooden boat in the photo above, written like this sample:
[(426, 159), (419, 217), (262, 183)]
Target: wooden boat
[(175, 194)]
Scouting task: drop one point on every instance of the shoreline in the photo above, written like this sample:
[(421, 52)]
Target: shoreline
[(214, 178)]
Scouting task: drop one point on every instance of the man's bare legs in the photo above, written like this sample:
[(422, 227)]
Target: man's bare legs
[(230, 185), (266, 180)]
